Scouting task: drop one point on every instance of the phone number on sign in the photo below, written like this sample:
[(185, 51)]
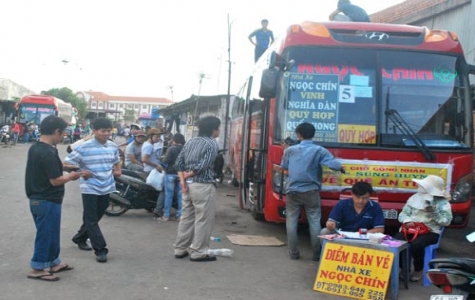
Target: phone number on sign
[(343, 289)]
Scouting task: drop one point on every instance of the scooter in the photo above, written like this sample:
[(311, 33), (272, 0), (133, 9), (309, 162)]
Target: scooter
[(455, 276), (218, 166)]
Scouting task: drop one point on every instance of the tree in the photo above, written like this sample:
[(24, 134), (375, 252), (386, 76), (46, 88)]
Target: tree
[(129, 115), (67, 95)]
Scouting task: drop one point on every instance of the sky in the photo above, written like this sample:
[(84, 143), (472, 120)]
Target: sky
[(143, 48)]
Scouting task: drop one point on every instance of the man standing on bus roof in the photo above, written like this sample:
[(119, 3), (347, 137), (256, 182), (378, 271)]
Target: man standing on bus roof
[(353, 12), (304, 162), (264, 37)]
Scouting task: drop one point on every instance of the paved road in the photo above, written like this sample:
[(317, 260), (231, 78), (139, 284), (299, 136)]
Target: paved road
[(141, 262)]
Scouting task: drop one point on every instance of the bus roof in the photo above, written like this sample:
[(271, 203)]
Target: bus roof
[(42, 99), (371, 35), (146, 116)]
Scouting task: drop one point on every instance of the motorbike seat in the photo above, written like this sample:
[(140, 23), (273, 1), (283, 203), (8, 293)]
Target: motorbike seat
[(136, 183), (465, 264), (130, 180), (135, 174)]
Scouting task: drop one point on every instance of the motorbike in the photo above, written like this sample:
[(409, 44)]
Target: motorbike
[(218, 166), (5, 137), (132, 193), (454, 276)]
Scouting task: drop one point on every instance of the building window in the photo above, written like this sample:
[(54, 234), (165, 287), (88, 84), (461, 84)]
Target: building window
[(144, 106), (121, 105), (112, 105), (93, 104), (129, 106), (136, 106), (101, 104)]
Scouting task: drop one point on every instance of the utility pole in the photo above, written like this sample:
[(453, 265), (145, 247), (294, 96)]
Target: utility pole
[(171, 90), (195, 115), (228, 96)]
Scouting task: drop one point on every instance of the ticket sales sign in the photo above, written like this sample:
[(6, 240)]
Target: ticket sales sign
[(354, 272)]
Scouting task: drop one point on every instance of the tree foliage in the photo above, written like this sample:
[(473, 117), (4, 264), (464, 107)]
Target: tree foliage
[(129, 115), (67, 95)]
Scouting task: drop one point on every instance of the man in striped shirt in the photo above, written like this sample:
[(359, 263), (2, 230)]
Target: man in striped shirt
[(194, 167), (100, 157)]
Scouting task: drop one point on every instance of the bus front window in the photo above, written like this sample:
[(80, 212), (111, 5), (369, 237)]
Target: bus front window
[(425, 90), (34, 113), (374, 98)]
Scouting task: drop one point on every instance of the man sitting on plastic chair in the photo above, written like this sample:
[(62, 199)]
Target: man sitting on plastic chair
[(430, 206)]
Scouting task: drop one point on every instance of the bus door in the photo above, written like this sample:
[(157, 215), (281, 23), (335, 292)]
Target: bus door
[(254, 153)]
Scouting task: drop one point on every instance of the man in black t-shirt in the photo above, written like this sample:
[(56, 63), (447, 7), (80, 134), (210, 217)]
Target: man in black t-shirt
[(44, 185)]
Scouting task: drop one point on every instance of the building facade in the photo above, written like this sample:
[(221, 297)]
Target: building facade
[(122, 109), (181, 116)]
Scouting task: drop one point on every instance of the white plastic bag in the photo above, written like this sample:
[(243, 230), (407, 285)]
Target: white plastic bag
[(155, 179)]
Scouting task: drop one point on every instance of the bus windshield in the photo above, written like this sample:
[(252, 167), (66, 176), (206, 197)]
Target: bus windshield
[(365, 97), (35, 112)]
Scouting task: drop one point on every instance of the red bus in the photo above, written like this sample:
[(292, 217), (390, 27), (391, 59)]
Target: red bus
[(392, 102), (35, 108)]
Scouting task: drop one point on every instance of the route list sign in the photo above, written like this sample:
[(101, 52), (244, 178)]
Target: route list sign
[(354, 272), (314, 99)]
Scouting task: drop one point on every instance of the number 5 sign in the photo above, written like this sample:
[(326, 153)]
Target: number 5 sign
[(347, 94)]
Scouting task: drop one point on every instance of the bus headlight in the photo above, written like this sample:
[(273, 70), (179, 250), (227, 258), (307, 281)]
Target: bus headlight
[(279, 179), (463, 189)]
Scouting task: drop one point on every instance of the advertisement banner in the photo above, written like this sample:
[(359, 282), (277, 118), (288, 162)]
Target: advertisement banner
[(387, 175)]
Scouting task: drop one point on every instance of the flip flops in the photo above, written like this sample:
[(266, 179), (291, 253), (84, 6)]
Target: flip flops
[(44, 277), (66, 267)]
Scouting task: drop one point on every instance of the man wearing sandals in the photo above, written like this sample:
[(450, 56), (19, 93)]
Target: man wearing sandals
[(44, 184)]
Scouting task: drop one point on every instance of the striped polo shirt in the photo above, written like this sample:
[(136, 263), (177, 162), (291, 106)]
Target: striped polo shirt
[(198, 155), (99, 159)]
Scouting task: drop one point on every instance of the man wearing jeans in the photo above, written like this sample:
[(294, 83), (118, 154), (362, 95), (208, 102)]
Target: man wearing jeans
[(304, 163), (172, 182), (44, 184), (100, 157)]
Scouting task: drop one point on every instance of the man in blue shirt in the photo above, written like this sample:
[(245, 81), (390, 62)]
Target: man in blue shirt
[(353, 12), (100, 157), (304, 163), (264, 37), (357, 212)]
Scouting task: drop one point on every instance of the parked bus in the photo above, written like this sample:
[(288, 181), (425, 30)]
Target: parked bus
[(392, 102), (34, 108), (152, 120)]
